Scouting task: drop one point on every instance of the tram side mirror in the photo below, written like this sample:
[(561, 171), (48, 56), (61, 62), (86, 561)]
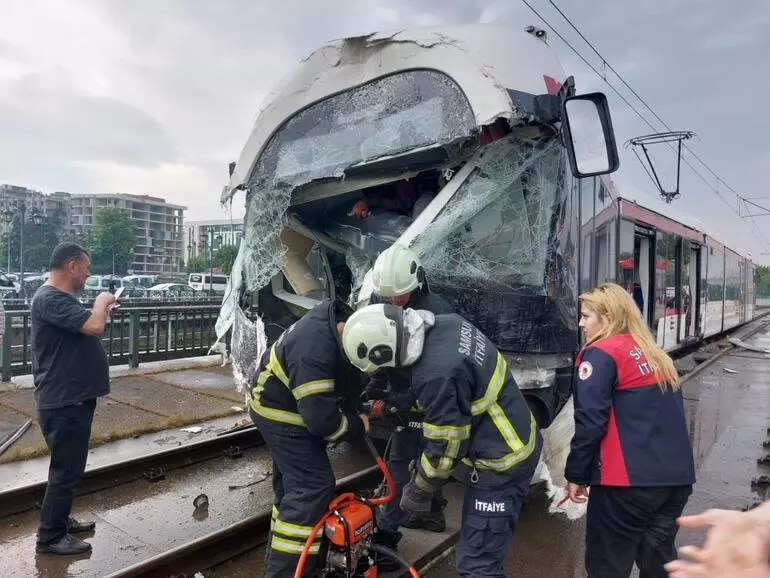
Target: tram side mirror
[(589, 136)]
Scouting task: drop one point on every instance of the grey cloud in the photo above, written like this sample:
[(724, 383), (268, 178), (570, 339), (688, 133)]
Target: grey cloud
[(699, 63), (52, 124)]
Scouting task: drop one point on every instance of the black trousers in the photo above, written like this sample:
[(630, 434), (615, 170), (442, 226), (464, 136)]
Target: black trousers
[(627, 525), (66, 431), (304, 484)]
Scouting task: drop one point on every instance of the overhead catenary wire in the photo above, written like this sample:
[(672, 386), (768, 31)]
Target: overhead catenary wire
[(645, 104), (645, 120)]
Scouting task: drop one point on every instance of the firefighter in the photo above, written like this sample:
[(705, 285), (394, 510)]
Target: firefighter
[(399, 278), (631, 442), (477, 428), (294, 405)]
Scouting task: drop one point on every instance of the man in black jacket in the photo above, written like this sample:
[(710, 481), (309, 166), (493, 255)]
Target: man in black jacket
[(478, 427), (294, 404), (398, 278)]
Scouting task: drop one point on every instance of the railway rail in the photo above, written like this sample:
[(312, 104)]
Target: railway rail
[(212, 549)]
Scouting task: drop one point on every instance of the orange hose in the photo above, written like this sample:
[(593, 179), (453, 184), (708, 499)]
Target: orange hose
[(308, 545), (389, 480), (335, 503)]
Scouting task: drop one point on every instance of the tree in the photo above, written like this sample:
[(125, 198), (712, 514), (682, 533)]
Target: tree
[(39, 241), (112, 234), (225, 257), (762, 277), (195, 265)]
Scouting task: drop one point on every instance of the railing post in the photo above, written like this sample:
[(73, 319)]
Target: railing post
[(133, 339), (7, 344)]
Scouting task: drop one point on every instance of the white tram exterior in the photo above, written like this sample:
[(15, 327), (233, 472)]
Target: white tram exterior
[(692, 285), (482, 129)]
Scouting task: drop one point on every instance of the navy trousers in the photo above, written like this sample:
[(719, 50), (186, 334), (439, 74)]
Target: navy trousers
[(488, 523), (66, 431), (405, 446), (627, 525), (304, 484)]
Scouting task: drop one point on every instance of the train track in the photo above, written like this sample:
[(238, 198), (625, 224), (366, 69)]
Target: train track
[(222, 545), (217, 547), (150, 466)]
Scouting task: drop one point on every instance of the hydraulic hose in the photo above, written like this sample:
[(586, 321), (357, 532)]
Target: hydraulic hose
[(392, 554)]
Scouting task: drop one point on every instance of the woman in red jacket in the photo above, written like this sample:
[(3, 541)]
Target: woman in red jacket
[(631, 444)]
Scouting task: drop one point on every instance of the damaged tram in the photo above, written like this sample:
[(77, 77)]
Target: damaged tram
[(465, 143)]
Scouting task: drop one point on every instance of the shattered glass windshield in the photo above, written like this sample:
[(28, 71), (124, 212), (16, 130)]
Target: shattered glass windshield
[(389, 116), (497, 228), (386, 117)]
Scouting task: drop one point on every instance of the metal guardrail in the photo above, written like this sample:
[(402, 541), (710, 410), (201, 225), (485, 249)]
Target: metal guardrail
[(133, 335)]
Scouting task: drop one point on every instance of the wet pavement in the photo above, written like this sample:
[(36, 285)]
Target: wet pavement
[(26, 472), (728, 415), (136, 404), (141, 519)]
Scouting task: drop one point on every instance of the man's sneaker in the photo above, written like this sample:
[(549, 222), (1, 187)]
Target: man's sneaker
[(75, 527), (68, 545), (433, 522), (389, 540)]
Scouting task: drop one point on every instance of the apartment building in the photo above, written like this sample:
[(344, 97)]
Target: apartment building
[(12, 197), (199, 234), (158, 226), (160, 240)]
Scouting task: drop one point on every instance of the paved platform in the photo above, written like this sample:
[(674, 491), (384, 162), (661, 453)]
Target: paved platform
[(728, 415), (139, 402)]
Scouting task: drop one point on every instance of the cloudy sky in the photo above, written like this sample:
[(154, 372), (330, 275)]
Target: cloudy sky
[(157, 96)]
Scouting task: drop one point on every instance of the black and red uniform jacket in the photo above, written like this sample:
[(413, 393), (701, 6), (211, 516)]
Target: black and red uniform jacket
[(628, 431)]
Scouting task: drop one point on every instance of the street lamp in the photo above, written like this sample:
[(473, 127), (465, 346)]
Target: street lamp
[(36, 218), (211, 242), (8, 218)]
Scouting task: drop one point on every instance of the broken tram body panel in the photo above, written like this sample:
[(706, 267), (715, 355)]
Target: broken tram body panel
[(459, 142)]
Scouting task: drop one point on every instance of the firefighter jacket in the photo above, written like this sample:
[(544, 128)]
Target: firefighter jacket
[(303, 375), (628, 431), (478, 426), (398, 378)]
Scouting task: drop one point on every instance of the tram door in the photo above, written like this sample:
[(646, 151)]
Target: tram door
[(689, 320), (644, 274)]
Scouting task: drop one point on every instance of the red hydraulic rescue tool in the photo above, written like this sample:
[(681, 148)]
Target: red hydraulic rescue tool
[(348, 528)]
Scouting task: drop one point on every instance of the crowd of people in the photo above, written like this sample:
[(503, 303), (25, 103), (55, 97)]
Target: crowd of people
[(630, 457)]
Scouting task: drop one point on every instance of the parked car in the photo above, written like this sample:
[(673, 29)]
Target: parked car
[(145, 281), (208, 284), (95, 284), (172, 291)]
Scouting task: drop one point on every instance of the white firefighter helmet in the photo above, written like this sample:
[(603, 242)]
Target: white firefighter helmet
[(373, 337), (397, 271)]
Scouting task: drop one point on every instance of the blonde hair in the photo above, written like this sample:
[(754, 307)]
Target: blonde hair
[(621, 315)]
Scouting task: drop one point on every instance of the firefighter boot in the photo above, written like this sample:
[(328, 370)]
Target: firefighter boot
[(433, 521), (389, 540)]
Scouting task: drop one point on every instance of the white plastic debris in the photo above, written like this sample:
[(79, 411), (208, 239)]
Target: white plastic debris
[(556, 446), (728, 370), (199, 575), (193, 429), (236, 408)]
